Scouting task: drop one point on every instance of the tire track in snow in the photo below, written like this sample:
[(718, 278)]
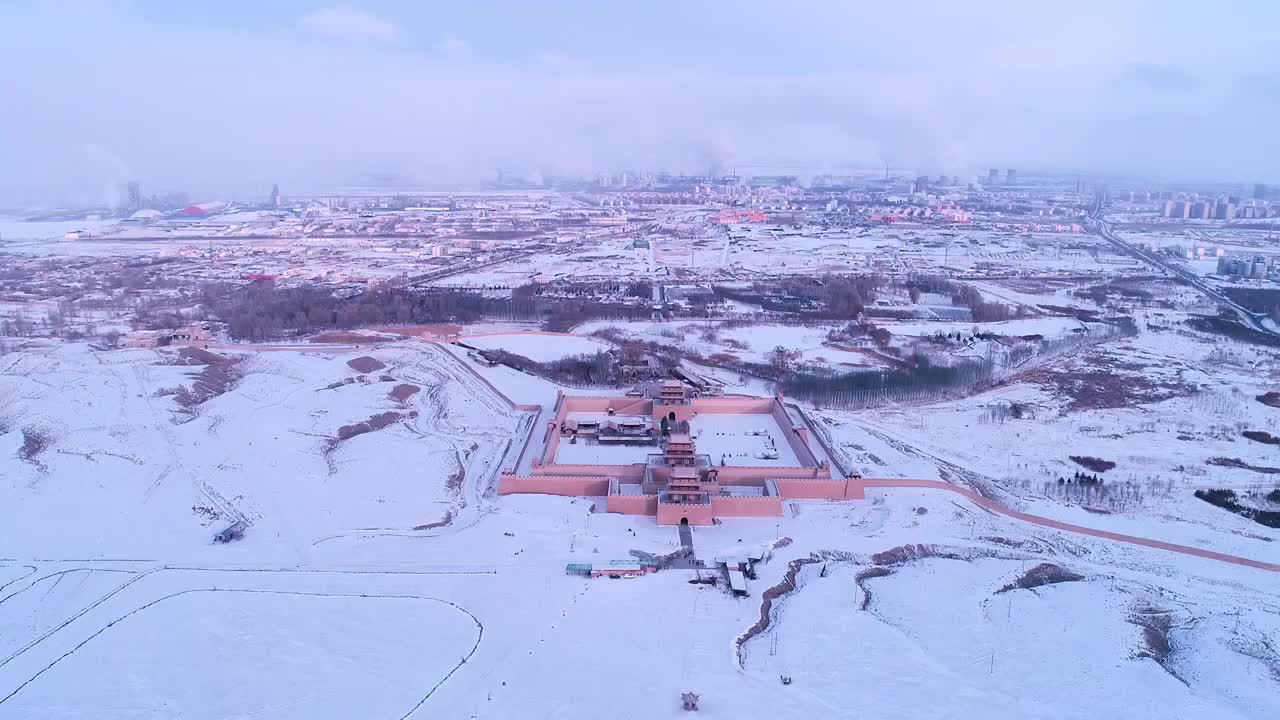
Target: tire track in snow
[(33, 570), (46, 577), (136, 577), (475, 646)]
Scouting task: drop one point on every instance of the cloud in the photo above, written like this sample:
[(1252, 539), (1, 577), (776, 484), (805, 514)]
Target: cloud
[(560, 62), (545, 95), (453, 48), (1159, 77), (351, 23)]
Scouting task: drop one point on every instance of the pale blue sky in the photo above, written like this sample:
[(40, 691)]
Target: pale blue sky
[(227, 97)]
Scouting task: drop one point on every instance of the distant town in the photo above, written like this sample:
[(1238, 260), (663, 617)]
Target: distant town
[(664, 226)]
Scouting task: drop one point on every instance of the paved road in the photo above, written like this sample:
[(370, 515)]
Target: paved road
[(686, 537), (690, 560), (1252, 319)]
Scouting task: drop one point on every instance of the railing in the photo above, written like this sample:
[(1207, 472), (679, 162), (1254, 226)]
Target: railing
[(664, 497), (701, 461)]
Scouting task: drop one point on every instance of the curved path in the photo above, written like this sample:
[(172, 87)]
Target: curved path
[(463, 661), (997, 508)]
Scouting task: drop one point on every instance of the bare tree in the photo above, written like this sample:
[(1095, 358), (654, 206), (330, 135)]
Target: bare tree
[(34, 442)]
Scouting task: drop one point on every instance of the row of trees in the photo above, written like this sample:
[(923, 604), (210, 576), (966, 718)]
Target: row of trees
[(561, 315), (918, 381), (1116, 496), (1227, 499), (1259, 300), (983, 311), (54, 324), (1233, 329), (963, 296), (639, 289), (1001, 411), (860, 329), (919, 378), (578, 370), (261, 311), (830, 297), (1015, 359)]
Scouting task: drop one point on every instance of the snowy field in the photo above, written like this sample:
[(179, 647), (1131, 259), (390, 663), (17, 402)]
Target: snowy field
[(540, 347), (752, 343), (164, 643), (13, 229), (997, 654), (114, 602), (123, 453), (590, 453), (755, 251), (601, 417), (751, 440), (1047, 326), (208, 653), (756, 343)]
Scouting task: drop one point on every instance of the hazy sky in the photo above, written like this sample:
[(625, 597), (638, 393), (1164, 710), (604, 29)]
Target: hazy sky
[(223, 98)]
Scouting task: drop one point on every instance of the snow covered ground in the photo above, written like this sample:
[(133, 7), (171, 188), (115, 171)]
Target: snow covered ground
[(752, 440), (115, 603), (548, 639), (541, 347), (756, 343), (703, 251), (939, 639), (123, 454), (193, 654), (591, 453), (13, 229), (752, 343), (1165, 407), (1046, 326)]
